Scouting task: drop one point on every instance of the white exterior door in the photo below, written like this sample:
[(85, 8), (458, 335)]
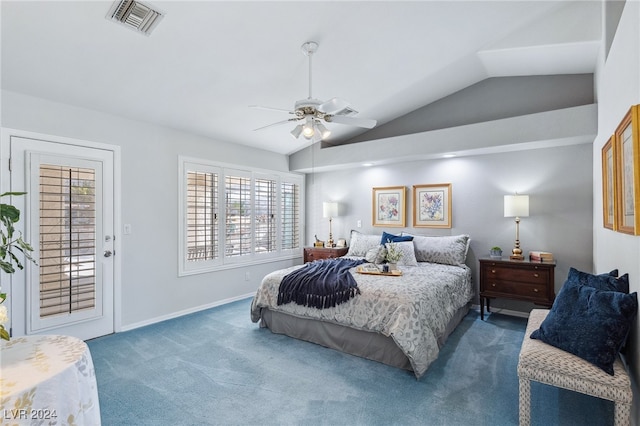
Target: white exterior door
[(68, 218)]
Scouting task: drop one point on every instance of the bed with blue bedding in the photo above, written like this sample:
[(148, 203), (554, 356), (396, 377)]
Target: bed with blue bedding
[(398, 320)]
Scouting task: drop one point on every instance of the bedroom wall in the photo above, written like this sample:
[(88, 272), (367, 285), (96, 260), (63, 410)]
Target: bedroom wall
[(617, 88), (558, 180), (151, 289)]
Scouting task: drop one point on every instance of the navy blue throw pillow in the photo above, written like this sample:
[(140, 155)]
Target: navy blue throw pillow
[(589, 323), (390, 238), (608, 282)]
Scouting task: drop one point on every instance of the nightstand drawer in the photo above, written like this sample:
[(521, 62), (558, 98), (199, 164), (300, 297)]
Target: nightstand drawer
[(511, 288), (528, 275)]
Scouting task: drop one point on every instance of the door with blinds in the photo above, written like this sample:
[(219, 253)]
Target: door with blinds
[(68, 213)]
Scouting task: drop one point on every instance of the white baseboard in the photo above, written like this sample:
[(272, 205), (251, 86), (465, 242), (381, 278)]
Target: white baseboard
[(185, 312)]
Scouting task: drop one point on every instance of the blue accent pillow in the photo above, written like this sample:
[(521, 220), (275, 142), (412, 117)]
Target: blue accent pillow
[(589, 323), (390, 238), (608, 282)]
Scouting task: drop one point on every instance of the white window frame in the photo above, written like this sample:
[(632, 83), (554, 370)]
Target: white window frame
[(186, 164)]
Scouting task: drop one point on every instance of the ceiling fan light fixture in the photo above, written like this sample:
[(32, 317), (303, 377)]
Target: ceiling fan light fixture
[(324, 132), (296, 131), (307, 129)]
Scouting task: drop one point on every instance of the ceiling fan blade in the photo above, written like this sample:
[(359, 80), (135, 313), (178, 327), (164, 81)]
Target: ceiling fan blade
[(333, 106), (276, 124), (352, 121), (271, 109)]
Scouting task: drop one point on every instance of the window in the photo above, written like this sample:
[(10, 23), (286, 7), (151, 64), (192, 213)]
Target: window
[(67, 239), (230, 216)]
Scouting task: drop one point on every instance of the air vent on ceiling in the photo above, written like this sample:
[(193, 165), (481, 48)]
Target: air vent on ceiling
[(135, 15)]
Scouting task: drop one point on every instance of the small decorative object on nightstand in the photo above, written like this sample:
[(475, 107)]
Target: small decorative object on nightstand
[(518, 280), (316, 253), (495, 252)]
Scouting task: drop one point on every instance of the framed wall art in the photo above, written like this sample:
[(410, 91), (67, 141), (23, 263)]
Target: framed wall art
[(432, 206), (627, 169), (389, 206), (608, 185)]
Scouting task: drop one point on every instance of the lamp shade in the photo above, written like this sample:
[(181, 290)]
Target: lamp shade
[(516, 205), (329, 209)]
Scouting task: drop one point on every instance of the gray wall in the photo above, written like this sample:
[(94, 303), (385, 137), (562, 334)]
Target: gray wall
[(618, 83), (558, 181), (150, 287)]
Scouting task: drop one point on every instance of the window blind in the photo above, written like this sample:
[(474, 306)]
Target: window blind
[(290, 211), (265, 220), (238, 216), (202, 217), (67, 239)]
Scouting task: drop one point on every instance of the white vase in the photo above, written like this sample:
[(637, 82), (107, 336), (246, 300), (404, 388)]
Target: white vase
[(393, 266)]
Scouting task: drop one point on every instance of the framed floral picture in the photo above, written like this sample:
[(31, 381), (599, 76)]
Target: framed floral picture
[(608, 185), (432, 206), (389, 206), (627, 180)]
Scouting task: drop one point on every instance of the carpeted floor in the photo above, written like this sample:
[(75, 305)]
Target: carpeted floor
[(217, 367)]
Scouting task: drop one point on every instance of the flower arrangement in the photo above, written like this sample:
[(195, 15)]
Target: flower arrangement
[(393, 253), (10, 240)]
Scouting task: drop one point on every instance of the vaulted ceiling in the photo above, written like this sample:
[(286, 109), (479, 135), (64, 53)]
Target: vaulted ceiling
[(208, 61)]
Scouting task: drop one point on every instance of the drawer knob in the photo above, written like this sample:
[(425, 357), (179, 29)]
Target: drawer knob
[(493, 284), (536, 275), (493, 271), (535, 290)]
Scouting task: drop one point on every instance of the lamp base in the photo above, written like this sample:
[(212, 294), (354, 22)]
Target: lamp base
[(516, 257)]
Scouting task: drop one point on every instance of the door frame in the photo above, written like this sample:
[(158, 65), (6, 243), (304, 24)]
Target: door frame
[(17, 314)]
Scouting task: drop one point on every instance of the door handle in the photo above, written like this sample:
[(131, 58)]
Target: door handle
[(107, 253)]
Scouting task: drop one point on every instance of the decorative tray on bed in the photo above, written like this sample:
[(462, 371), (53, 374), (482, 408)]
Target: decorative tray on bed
[(374, 270)]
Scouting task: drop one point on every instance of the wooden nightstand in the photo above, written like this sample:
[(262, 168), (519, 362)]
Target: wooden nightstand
[(516, 279), (316, 253)]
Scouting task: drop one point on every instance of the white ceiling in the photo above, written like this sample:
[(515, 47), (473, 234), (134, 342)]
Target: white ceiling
[(207, 61)]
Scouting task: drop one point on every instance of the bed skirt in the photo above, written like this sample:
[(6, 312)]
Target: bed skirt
[(365, 344)]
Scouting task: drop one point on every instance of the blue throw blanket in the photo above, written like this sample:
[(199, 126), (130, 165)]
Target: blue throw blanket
[(320, 284)]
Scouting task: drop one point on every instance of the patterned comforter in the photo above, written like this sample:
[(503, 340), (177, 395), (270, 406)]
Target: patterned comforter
[(413, 309)]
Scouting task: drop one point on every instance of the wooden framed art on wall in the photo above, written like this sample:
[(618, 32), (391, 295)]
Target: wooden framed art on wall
[(389, 206), (608, 185), (627, 172), (432, 206)]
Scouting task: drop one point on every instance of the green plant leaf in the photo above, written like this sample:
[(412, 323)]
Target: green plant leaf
[(4, 334), (7, 267), (10, 212)]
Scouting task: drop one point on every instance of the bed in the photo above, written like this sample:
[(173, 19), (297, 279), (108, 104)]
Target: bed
[(401, 321)]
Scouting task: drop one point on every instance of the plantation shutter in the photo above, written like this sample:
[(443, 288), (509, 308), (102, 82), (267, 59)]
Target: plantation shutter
[(202, 216), (67, 239), (265, 207), (290, 215), (238, 213)]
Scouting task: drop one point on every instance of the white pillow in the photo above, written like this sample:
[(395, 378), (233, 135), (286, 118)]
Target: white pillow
[(360, 244), (408, 257), (448, 250)]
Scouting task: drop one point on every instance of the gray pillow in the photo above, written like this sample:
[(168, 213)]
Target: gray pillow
[(360, 244), (448, 250)]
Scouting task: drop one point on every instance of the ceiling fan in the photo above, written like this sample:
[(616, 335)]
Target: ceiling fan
[(310, 113)]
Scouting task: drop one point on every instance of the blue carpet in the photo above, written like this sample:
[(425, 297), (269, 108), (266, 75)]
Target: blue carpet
[(216, 367)]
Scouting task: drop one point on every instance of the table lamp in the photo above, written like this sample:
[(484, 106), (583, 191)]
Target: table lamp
[(516, 206), (330, 210)]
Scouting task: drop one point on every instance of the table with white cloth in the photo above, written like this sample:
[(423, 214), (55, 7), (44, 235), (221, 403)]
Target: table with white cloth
[(47, 380)]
